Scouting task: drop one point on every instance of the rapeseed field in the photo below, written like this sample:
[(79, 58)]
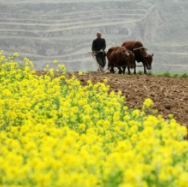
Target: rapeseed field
[(56, 133)]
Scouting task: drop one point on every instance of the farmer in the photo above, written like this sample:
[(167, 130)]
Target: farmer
[(98, 47)]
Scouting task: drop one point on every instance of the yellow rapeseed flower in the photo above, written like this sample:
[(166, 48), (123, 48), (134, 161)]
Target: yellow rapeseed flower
[(52, 127)]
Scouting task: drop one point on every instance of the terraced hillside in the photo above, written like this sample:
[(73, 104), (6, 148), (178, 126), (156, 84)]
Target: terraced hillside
[(46, 30)]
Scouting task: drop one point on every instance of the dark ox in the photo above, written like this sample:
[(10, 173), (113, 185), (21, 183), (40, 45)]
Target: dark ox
[(140, 53), (120, 57)]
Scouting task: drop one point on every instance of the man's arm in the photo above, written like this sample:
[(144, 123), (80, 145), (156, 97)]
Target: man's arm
[(93, 46), (104, 45)]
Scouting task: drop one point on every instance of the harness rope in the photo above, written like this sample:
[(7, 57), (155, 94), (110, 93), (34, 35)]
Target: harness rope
[(139, 48)]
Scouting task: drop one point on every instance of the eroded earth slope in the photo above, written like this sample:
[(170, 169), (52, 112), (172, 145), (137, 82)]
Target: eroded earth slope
[(47, 30)]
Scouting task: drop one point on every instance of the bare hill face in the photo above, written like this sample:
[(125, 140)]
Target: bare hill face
[(45, 30)]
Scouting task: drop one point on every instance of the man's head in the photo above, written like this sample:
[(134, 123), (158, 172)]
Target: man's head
[(98, 34)]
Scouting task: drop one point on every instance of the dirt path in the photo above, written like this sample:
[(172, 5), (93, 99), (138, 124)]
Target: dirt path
[(170, 95)]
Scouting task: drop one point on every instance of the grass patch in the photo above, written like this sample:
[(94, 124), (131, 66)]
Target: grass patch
[(165, 74)]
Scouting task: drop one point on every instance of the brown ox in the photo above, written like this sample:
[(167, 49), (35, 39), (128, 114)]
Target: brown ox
[(120, 57), (140, 53)]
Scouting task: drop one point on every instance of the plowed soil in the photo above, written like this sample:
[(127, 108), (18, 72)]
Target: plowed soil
[(169, 94)]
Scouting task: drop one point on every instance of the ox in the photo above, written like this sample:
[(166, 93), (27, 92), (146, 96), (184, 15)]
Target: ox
[(140, 53), (120, 57)]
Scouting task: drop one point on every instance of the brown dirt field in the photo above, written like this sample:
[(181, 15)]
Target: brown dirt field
[(170, 95)]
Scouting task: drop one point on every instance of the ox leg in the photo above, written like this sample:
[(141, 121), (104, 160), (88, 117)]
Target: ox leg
[(145, 71), (109, 66), (120, 70), (112, 69), (135, 68), (128, 67), (124, 68)]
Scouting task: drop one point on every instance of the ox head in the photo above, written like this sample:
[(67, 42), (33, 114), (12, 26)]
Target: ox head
[(148, 59)]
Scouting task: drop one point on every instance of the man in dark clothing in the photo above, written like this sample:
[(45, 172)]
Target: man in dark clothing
[(98, 47)]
